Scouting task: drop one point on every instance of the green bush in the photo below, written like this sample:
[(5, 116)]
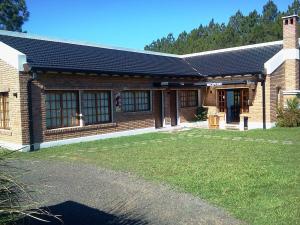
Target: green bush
[(289, 116), (201, 114)]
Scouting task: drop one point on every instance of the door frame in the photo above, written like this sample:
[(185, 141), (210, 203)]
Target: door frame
[(237, 106), (226, 101)]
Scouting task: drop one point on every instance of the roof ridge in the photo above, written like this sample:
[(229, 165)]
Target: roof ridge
[(81, 43), (232, 49)]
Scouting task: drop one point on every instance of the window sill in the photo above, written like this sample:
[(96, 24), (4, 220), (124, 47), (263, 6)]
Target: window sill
[(137, 113), (6, 132), (78, 129)]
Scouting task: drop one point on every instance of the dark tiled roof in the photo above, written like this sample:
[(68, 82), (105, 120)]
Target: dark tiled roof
[(66, 56), (56, 55), (243, 61)]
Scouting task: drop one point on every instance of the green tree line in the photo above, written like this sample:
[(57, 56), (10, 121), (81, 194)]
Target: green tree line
[(240, 30)]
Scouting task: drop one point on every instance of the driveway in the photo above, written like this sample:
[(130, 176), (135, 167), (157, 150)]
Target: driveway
[(88, 195)]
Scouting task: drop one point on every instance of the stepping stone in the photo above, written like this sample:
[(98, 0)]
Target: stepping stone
[(260, 140), (225, 138), (248, 139), (237, 138)]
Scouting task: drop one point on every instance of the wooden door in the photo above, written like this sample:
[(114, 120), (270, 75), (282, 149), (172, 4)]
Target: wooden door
[(173, 107), (158, 108)]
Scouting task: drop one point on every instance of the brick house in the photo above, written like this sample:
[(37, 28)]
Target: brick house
[(57, 92)]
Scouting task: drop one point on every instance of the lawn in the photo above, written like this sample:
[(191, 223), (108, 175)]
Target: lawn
[(254, 175)]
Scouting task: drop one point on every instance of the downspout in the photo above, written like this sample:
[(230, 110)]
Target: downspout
[(263, 85), (30, 111)]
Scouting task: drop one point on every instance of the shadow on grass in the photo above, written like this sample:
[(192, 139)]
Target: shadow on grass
[(73, 213)]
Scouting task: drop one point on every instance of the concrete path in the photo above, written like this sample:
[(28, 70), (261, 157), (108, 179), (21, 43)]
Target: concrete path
[(88, 195)]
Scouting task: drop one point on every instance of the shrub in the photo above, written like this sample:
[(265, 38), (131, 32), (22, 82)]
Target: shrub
[(201, 114), (289, 116)]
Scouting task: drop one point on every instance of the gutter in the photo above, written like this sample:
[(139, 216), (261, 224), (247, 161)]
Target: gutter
[(30, 111)]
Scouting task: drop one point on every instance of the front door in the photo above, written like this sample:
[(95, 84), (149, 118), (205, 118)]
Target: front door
[(158, 108), (233, 106), (170, 108)]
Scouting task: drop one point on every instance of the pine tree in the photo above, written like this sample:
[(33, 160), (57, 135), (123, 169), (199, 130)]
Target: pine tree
[(13, 14), (240, 30)]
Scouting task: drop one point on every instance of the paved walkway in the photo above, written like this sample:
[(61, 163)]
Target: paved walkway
[(87, 195)]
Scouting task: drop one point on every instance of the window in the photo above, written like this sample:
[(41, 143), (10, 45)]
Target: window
[(135, 101), (96, 107), (245, 100), (188, 98), (61, 109), (222, 100), (4, 111)]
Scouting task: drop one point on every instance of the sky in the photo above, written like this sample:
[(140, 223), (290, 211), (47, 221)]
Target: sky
[(129, 23)]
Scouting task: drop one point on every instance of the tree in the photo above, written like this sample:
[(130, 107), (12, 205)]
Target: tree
[(13, 14), (240, 30), (270, 12), (294, 8)]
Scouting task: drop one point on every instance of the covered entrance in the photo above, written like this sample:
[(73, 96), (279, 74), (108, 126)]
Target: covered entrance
[(233, 102)]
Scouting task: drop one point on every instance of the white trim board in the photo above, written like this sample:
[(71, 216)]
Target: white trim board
[(12, 56), (259, 125), (14, 146), (232, 49), (272, 64), (94, 137), (292, 92)]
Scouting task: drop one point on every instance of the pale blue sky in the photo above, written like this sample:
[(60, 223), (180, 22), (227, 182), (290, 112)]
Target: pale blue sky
[(129, 23)]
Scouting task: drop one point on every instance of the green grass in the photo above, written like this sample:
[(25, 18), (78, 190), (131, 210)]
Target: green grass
[(255, 176)]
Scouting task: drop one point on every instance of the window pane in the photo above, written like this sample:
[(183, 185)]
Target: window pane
[(188, 98), (135, 101), (4, 111), (96, 107), (61, 109)]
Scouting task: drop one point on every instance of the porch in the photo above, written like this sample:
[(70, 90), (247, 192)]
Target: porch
[(236, 102)]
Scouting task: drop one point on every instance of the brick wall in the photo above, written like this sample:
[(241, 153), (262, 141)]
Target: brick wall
[(121, 121), (292, 74), (9, 81), (277, 85), (187, 114)]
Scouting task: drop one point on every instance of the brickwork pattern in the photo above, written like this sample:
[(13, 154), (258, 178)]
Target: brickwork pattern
[(9, 80), (290, 34), (121, 121)]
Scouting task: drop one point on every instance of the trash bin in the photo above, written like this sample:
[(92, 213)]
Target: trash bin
[(246, 123)]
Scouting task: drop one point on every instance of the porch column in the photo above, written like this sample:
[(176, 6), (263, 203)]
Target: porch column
[(177, 107)]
